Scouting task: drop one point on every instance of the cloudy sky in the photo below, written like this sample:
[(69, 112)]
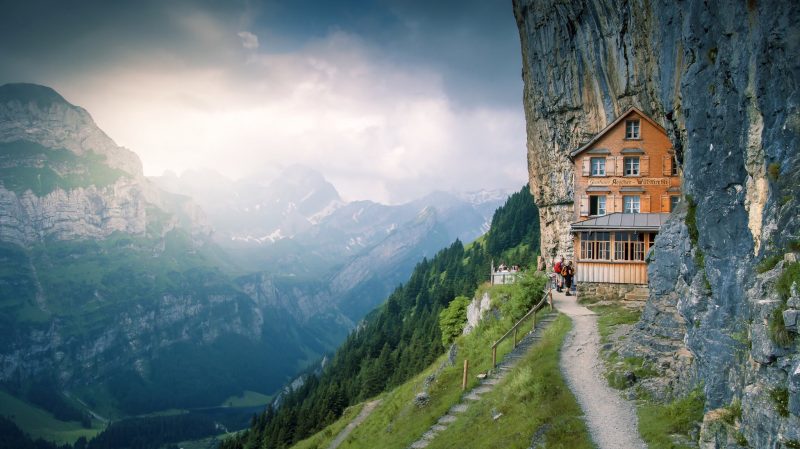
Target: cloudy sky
[(389, 99)]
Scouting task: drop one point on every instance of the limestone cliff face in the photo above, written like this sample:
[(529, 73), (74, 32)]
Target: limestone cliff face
[(722, 78), (39, 114), (89, 212), (64, 178)]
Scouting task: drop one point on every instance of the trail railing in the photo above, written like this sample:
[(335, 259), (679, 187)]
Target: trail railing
[(547, 299)]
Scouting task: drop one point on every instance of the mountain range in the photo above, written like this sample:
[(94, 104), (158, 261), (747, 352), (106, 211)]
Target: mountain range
[(133, 294)]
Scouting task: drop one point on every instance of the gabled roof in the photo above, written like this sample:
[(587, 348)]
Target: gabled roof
[(620, 222), (611, 125)]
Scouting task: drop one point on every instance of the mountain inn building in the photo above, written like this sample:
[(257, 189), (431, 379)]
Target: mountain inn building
[(626, 184)]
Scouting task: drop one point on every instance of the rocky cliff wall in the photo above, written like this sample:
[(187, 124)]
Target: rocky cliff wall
[(722, 77), (89, 212), (39, 114), (95, 186)]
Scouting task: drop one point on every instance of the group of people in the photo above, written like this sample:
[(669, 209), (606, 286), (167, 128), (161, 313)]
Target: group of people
[(504, 268), (565, 272)]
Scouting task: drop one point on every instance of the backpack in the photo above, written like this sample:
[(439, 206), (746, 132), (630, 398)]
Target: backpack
[(557, 268)]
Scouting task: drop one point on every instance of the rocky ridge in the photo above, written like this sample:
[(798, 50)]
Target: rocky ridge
[(721, 77), (63, 144)]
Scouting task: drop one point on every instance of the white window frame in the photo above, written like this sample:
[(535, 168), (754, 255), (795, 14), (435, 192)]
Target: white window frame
[(601, 205), (635, 166), (600, 166), (673, 202), (632, 129), (631, 204)]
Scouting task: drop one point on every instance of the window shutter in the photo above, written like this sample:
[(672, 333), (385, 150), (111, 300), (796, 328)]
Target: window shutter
[(620, 170), (584, 206), (644, 204), (667, 166), (665, 203), (644, 167), (617, 203), (586, 167), (610, 166)]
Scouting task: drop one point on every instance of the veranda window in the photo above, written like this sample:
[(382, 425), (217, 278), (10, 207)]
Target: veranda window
[(596, 245), (629, 246)]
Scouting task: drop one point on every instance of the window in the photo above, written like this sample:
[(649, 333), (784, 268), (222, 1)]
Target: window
[(598, 166), (632, 166), (632, 129), (630, 204), (673, 202), (674, 167), (597, 205), (629, 246), (596, 245)]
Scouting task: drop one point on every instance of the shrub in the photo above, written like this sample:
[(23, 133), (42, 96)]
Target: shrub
[(790, 275), (694, 234), (774, 171), (777, 328), (733, 412), (780, 397), (768, 263), (526, 292), (452, 319), (657, 422)]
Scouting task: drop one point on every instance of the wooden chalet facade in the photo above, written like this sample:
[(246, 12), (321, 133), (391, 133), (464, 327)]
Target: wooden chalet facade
[(626, 183)]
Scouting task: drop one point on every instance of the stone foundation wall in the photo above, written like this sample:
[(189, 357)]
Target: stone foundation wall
[(605, 292)]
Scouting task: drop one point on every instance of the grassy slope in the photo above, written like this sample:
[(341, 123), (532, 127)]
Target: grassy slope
[(41, 424), (396, 422), (324, 438), (534, 397), (659, 423)]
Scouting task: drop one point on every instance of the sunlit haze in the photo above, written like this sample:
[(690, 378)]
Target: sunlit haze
[(388, 99)]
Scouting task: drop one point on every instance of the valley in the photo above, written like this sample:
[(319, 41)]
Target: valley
[(121, 299)]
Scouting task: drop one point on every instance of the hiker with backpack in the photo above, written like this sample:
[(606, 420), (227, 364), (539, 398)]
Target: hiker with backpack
[(557, 266), (568, 272)]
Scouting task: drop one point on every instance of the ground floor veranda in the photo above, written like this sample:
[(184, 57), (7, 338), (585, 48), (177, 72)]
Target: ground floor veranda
[(613, 248)]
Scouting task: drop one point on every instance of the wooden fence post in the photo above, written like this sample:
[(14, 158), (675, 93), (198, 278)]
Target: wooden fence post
[(494, 357), (464, 379)]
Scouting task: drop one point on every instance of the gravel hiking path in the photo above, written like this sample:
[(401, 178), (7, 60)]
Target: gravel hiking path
[(611, 419), (368, 408)]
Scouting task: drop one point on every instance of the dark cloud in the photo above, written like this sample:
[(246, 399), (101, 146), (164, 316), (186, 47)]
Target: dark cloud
[(396, 96), (474, 44)]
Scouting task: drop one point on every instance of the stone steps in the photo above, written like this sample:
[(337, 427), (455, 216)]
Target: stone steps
[(486, 385), (638, 294)]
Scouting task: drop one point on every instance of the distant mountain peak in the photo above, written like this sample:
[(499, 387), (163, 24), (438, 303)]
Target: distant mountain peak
[(31, 93)]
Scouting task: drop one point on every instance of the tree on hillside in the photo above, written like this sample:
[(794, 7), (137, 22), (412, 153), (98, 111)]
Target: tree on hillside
[(404, 335)]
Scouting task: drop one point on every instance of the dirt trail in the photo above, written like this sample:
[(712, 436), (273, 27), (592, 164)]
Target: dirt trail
[(368, 408), (611, 419)]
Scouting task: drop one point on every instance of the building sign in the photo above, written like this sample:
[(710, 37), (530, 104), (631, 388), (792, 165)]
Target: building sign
[(629, 181)]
